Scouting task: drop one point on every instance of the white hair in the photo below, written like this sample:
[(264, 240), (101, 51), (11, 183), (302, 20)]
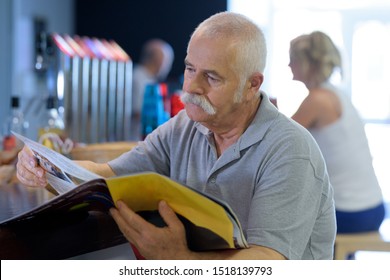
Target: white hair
[(245, 36)]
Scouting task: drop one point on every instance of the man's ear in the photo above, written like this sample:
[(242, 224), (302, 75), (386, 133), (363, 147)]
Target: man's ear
[(255, 81)]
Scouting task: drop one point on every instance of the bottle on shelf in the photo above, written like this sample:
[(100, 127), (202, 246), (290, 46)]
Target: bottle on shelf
[(53, 122), (153, 113), (15, 122), (166, 100), (176, 104)]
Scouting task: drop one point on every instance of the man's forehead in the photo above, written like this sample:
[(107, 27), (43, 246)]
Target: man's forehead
[(209, 53)]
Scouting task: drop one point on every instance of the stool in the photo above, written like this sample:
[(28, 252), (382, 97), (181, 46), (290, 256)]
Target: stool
[(346, 244)]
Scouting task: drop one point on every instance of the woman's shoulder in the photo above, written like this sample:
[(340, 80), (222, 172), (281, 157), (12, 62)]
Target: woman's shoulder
[(328, 104), (321, 93), (323, 97)]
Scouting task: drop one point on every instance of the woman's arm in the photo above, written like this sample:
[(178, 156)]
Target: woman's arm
[(308, 112)]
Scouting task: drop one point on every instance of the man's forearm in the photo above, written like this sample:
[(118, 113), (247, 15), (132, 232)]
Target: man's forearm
[(102, 169), (253, 253)]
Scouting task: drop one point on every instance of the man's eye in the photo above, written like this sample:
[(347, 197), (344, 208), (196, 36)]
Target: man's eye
[(211, 78), (189, 69)]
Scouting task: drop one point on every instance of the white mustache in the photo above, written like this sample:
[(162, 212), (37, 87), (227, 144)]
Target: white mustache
[(198, 100)]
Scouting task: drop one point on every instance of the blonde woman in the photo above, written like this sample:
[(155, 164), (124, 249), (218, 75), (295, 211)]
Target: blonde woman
[(335, 124)]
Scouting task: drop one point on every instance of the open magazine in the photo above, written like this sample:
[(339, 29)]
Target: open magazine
[(210, 223)]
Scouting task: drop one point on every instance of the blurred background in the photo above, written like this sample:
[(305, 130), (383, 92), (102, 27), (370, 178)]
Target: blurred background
[(360, 28)]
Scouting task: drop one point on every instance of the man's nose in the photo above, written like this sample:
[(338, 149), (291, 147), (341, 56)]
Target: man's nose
[(194, 85)]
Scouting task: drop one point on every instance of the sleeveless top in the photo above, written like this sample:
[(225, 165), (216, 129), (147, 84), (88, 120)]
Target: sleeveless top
[(345, 148)]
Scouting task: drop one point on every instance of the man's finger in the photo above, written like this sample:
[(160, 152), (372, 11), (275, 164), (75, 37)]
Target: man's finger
[(30, 178), (130, 234), (169, 216), (135, 221)]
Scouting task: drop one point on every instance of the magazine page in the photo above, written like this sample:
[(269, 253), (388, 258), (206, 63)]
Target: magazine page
[(143, 191), (239, 238), (92, 195), (57, 164), (61, 186)]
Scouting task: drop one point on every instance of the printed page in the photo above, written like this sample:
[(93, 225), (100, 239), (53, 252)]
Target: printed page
[(239, 238), (57, 164), (61, 186)]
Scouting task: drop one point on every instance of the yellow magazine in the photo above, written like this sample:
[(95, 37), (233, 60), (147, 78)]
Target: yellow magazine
[(209, 222)]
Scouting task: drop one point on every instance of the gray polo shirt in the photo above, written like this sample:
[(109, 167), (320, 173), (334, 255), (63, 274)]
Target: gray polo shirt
[(274, 178)]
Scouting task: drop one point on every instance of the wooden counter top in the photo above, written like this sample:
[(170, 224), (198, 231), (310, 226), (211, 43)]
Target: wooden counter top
[(101, 152)]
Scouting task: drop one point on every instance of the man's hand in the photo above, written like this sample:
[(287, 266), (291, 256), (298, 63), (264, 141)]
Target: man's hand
[(28, 171), (153, 242)]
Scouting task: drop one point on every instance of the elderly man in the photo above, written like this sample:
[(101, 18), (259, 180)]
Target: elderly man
[(231, 142)]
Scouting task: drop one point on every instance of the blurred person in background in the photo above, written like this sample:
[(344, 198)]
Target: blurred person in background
[(154, 66), (339, 131)]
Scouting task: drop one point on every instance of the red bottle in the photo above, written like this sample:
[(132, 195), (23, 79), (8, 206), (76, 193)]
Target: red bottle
[(176, 104)]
